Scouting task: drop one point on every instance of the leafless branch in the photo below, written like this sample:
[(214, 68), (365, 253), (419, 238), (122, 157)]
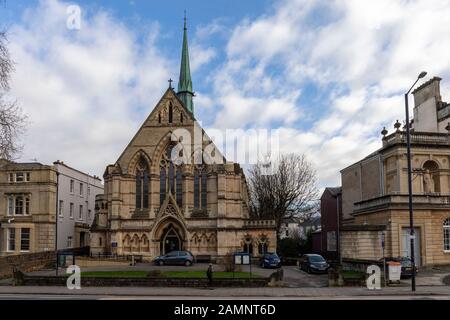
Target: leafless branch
[(6, 64), (12, 120), (290, 193), (12, 124)]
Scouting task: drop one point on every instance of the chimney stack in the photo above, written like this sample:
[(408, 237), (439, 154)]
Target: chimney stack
[(428, 90), (427, 102)]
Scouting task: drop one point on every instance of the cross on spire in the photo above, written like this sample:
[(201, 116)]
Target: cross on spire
[(170, 82)]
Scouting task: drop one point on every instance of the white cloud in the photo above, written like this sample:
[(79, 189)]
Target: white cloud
[(200, 56), (84, 91), (365, 53)]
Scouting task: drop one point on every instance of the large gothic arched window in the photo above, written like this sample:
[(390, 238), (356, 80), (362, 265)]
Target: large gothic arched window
[(142, 184), (171, 178), (200, 188)]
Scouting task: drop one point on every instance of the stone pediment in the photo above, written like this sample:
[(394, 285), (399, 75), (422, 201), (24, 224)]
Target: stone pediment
[(170, 209)]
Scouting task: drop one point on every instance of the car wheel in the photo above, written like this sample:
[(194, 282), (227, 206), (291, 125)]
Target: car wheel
[(188, 263), (160, 263)]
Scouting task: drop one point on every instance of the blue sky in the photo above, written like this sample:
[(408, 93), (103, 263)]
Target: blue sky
[(328, 74)]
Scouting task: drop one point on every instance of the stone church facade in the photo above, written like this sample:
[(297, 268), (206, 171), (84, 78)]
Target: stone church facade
[(170, 190)]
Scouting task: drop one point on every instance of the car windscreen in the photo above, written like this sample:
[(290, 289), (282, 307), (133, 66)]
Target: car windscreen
[(406, 263), (316, 259), (272, 255)]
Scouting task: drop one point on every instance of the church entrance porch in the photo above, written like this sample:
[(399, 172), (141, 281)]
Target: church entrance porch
[(170, 238), (170, 242)]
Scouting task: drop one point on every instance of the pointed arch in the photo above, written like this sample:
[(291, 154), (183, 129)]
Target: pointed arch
[(144, 243), (171, 176), (170, 112), (170, 232), (138, 155), (126, 243), (194, 239), (200, 187), (140, 167), (135, 243)]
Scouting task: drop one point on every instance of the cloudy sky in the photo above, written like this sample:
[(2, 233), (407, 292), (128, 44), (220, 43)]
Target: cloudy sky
[(329, 74)]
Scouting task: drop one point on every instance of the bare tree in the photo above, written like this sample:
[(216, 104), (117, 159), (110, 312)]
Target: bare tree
[(12, 120), (290, 192), (6, 64)]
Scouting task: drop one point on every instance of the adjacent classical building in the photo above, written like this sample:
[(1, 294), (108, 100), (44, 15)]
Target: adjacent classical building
[(28, 206), (375, 189), (153, 204)]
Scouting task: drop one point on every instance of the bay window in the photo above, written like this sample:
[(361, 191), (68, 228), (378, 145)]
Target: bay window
[(18, 205)]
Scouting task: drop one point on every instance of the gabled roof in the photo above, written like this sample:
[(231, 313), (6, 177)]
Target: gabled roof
[(164, 96), (334, 190)]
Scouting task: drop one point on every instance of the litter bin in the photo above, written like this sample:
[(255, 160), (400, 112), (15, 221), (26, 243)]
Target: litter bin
[(395, 270)]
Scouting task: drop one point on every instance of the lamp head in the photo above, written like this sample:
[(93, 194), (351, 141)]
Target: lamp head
[(422, 74)]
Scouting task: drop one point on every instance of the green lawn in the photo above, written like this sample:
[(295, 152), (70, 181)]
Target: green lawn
[(115, 274), (202, 274), (167, 274), (350, 274)]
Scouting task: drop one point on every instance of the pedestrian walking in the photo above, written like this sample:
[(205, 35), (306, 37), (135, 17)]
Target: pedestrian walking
[(209, 274)]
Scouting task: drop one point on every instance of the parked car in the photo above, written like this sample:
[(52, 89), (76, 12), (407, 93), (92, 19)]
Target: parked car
[(406, 263), (175, 258), (270, 260), (313, 263)]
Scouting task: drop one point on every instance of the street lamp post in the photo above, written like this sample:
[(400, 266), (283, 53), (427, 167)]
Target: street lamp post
[(56, 219), (410, 199)]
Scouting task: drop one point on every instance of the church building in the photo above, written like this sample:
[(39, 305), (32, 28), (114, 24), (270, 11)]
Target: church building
[(170, 190)]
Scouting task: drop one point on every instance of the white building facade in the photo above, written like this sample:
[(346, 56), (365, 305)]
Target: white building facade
[(76, 205)]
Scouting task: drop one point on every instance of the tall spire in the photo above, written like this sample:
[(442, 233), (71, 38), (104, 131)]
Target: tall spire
[(185, 83)]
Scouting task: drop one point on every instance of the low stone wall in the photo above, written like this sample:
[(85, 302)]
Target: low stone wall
[(359, 264), (361, 244), (148, 282), (26, 262)]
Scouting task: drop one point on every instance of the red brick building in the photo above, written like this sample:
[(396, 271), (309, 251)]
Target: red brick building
[(331, 212)]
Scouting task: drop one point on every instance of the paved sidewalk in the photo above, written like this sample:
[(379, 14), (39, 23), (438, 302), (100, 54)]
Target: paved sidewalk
[(228, 292)]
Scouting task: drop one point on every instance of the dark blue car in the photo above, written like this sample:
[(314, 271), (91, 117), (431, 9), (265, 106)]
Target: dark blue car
[(184, 258), (270, 260)]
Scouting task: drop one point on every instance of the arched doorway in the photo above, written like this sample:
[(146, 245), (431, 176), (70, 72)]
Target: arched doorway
[(170, 240)]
